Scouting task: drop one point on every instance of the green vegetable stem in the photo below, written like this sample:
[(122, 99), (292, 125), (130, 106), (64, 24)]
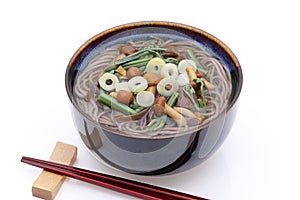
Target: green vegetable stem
[(139, 109), (172, 100), (190, 55), (137, 63), (137, 58), (202, 103), (189, 91), (131, 57), (159, 122), (113, 103), (172, 60)]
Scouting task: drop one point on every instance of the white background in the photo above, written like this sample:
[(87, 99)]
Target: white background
[(257, 161)]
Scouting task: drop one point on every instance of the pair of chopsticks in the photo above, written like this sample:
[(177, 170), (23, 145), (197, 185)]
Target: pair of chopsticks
[(130, 187)]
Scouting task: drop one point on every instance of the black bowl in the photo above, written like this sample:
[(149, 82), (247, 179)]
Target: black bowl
[(155, 155)]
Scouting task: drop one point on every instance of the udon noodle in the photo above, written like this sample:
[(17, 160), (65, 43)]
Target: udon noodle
[(86, 90)]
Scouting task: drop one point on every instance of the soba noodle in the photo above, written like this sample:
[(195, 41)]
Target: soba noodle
[(86, 91)]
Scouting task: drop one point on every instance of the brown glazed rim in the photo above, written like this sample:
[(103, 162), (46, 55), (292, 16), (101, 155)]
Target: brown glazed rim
[(157, 24)]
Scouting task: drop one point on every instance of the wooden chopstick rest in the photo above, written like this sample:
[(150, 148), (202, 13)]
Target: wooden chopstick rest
[(48, 184)]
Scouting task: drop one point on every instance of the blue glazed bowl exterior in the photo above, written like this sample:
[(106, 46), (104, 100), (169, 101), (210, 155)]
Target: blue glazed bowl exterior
[(157, 155)]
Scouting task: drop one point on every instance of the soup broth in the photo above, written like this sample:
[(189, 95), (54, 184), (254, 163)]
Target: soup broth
[(152, 86)]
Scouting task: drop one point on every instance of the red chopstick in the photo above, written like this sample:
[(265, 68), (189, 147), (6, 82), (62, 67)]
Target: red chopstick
[(130, 187)]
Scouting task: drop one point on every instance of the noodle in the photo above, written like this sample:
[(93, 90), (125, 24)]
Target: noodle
[(86, 94)]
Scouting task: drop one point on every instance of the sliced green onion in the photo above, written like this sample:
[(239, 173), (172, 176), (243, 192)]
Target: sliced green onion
[(137, 84), (108, 81), (183, 79), (122, 86), (169, 70), (155, 65), (162, 86), (145, 98)]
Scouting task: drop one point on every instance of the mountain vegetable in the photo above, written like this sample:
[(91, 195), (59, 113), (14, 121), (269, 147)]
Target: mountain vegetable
[(113, 103), (190, 92), (152, 78), (190, 55)]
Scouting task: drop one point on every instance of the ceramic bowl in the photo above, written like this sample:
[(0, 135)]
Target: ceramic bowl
[(162, 154)]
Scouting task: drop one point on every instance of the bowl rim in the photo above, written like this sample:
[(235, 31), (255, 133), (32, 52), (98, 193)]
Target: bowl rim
[(165, 24)]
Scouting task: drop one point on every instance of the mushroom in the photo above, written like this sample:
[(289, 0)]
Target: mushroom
[(189, 114), (191, 73), (151, 89), (185, 112), (133, 72), (159, 105), (124, 96), (153, 78), (127, 49), (121, 71), (208, 84), (177, 117)]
